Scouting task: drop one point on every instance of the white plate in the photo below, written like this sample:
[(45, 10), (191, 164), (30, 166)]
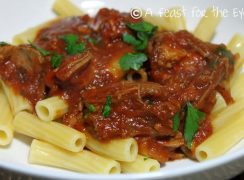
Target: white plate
[(16, 16)]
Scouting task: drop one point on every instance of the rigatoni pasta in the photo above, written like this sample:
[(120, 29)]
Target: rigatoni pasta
[(126, 149), (142, 164), (206, 28), (6, 127), (169, 20), (155, 117), (51, 108), (30, 34), (52, 132), (16, 101), (223, 139), (66, 8), (84, 161)]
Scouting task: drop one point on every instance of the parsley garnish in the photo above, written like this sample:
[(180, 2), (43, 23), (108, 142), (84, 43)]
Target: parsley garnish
[(144, 31), (132, 61), (43, 52), (56, 60), (3, 44), (130, 39), (176, 122), (193, 118), (223, 52), (91, 108), (92, 40), (72, 45), (107, 106), (145, 158), (142, 26)]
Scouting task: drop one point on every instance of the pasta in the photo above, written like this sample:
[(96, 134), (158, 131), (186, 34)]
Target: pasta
[(126, 149), (52, 132), (207, 25), (6, 128), (236, 45), (227, 113), (84, 161), (167, 21), (17, 102), (218, 144), (51, 108), (141, 164), (66, 8), (30, 34), (127, 87), (140, 76)]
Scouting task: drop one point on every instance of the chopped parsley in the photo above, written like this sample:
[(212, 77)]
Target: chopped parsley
[(142, 26), (176, 122), (56, 60), (107, 107), (3, 44), (143, 30), (223, 52), (145, 158), (92, 40), (72, 45), (132, 61), (131, 39), (42, 51), (193, 118), (91, 108)]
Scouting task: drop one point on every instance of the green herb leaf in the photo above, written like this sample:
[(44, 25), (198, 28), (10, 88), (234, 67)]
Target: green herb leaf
[(107, 106), (223, 52), (92, 40), (43, 52), (145, 158), (72, 45), (130, 39), (91, 108), (3, 44), (193, 118), (144, 31), (144, 40), (142, 26), (132, 61), (176, 122), (56, 60)]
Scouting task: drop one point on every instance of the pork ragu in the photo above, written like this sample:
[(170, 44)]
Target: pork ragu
[(183, 73)]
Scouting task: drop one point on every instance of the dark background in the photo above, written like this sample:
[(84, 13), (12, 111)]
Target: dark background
[(8, 175)]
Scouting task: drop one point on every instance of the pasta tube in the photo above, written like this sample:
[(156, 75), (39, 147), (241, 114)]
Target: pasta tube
[(84, 161), (30, 34), (51, 108), (66, 8), (237, 89), (141, 164), (227, 114), (167, 21), (206, 27), (219, 106), (6, 128), (17, 102), (52, 132), (222, 140), (236, 45), (121, 150)]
